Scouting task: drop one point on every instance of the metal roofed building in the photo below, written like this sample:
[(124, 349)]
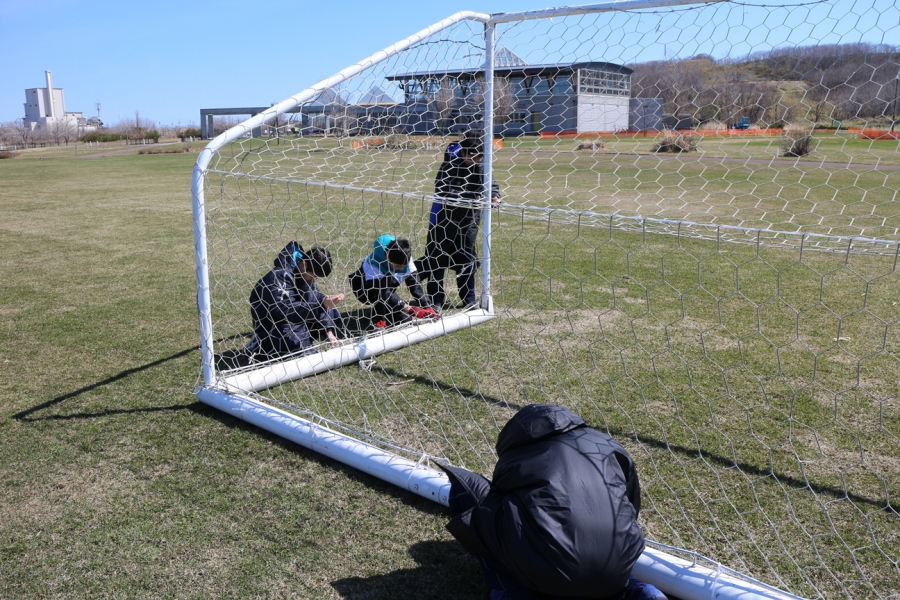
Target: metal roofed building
[(581, 97), (551, 98)]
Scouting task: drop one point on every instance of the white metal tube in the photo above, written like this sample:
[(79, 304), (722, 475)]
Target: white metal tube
[(566, 11), (280, 372), (489, 38), (204, 304), (387, 466), (686, 579)]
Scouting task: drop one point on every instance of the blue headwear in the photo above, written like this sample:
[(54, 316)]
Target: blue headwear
[(298, 255)]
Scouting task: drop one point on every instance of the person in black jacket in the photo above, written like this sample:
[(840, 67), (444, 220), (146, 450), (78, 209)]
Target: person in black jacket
[(287, 308), (454, 220), (380, 275), (559, 518)]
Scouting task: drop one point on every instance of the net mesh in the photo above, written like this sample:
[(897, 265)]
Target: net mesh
[(696, 251)]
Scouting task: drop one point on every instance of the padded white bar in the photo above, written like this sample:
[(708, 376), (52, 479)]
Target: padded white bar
[(372, 345), (688, 580)]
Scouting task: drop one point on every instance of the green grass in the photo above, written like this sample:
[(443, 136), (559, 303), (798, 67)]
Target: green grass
[(753, 383), (755, 386), (116, 482)]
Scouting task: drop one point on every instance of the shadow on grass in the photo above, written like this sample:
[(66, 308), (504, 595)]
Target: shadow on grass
[(445, 387), (25, 415), (445, 571), (408, 498), (690, 453)]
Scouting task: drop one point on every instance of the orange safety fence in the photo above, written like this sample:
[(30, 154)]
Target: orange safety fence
[(878, 134), (652, 133)]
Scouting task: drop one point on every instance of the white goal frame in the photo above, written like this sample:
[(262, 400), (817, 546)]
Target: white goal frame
[(678, 572)]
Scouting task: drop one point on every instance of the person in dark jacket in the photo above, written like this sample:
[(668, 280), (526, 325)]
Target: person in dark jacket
[(454, 220), (287, 308), (380, 275), (559, 518)]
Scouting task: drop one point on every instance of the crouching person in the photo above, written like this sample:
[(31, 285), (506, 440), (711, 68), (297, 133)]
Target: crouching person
[(287, 308), (559, 518), (376, 282)]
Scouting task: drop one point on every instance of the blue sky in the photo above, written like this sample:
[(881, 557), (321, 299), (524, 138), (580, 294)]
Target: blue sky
[(170, 58)]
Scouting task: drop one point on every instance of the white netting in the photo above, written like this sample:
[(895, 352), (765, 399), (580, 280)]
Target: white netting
[(727, 312)]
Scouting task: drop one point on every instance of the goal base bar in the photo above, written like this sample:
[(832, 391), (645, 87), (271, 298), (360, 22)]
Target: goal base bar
[(363, 348), (673, 575)]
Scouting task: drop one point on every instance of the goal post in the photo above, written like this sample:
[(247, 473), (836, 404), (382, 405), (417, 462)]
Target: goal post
[(696, 251)]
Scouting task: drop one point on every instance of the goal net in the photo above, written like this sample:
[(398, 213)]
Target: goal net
[(696, 251)]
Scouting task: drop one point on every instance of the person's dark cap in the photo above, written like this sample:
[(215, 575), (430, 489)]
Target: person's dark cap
[(472, 144), (399, 251), (319, 261)]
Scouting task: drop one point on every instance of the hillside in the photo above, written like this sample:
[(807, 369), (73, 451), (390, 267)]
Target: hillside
[(808, 85)]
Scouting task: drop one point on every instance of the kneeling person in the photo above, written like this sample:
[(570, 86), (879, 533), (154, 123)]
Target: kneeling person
[(287, 308), (376, 282), (559, 518)]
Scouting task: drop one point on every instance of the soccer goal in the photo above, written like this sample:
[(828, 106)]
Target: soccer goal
[(696, 251)]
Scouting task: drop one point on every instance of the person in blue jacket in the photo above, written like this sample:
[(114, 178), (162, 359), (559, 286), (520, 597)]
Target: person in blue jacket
[(287, 308), (380, 275)]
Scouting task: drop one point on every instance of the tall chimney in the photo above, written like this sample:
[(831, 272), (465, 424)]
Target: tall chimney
[(50, 94)]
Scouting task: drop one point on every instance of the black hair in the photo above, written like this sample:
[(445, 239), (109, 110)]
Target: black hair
[(472, 144), (319, 261), (399, 251)]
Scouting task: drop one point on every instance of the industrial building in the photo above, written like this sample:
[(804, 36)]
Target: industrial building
[(45, 110)]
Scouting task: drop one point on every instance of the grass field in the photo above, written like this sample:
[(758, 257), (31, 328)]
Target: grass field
[(755, 385), (752, 377), (116, 482)]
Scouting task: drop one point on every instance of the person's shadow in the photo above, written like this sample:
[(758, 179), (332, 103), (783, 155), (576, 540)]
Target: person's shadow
[(445, 571)]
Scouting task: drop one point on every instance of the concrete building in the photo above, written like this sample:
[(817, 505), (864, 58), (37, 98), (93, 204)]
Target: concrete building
[(577, 97), (45, 110), (580, 97)]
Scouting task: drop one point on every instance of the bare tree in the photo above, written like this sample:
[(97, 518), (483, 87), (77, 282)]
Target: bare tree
[(58, 129), (8, 135), (23, 131), (441, 101), (504, 100), (69, 129)]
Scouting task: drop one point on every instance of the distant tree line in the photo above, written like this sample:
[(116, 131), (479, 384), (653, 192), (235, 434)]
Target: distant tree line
[(808, 84)]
